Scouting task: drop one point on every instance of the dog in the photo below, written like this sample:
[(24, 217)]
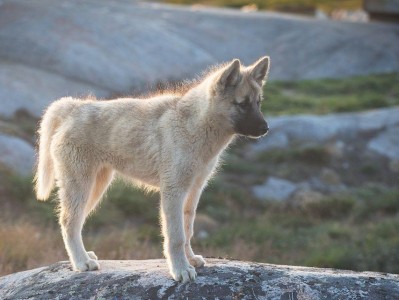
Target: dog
[(170, 143)]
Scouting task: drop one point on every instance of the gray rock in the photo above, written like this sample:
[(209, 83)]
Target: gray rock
[(386, 143), (32, 89), (16, 154), (320, 184), (303, 129), (274, 189), (49, 49), (220, 279)]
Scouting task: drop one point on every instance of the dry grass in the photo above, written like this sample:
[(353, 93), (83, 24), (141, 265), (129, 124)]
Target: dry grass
[(25, 246)]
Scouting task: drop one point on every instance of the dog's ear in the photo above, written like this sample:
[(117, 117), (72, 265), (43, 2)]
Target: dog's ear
[(260, 69), (230, 75)]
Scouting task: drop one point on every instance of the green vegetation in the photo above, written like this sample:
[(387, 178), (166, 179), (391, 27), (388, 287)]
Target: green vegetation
[(311, 155), (299, 6), (327, 233), (331, 95)]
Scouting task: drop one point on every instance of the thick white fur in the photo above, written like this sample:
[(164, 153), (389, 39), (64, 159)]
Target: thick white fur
[(170, 143)]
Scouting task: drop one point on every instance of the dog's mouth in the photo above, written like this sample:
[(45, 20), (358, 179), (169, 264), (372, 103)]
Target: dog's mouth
[(251, 136), (259, 132)]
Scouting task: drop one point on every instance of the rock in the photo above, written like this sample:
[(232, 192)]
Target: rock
[(273, 140), (24, 87), (16, 154), (50, 49), (386, 143), (321, 185), (274, 189), (387, 10), (307, 129), (220, 279)]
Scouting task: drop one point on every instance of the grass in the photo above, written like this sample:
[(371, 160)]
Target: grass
[(331, 95), (323, 234), (312, 154)]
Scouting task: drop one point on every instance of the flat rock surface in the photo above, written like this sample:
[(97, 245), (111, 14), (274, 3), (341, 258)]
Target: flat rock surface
[(223, 279), (50, 49)]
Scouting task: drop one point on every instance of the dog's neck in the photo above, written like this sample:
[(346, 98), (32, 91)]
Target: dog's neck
[(199, 119)]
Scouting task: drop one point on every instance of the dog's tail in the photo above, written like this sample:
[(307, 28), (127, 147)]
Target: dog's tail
[(44, 178)]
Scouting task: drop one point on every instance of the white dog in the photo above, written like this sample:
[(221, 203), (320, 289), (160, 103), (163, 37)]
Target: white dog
[(170, 143)]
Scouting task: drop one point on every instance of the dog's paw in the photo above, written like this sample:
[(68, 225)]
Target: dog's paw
[(184, 274), (88, 265), (197, 261), (92, 255)]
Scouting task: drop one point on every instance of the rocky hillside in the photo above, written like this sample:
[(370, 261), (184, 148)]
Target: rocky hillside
[(222, 279), (51, 49)]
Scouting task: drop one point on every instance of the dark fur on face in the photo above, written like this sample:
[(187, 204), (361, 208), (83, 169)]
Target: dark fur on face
[(248, 119)]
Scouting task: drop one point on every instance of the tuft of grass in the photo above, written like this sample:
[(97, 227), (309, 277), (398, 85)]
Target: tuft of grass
[(332, 207), (311, 155)]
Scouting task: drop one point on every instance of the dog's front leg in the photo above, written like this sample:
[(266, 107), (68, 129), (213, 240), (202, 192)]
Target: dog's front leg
[(172, 201), (190, 208)]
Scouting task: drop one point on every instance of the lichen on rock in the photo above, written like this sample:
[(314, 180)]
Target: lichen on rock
[(223, 279)]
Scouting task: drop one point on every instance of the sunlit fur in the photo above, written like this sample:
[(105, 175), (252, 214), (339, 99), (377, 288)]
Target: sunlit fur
[(170, 142)]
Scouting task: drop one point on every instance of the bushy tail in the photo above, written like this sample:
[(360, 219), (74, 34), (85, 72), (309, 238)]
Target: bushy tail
[(44, 177)]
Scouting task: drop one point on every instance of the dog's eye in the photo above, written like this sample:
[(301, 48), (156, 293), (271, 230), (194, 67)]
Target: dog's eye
[(243, 104)]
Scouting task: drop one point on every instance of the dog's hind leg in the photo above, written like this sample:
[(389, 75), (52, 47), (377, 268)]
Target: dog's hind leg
[(74, 190), (103, 179)]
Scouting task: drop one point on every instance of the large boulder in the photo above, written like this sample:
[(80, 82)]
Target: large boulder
[(16, 154), (387, 143), (50, 49), (289, 131), (220, 279)]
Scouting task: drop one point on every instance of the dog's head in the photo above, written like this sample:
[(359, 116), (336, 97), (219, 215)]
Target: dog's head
[(237, 91)]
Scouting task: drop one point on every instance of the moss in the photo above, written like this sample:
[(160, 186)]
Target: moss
[(313, 155)]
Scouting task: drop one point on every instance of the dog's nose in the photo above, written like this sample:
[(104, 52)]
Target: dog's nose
[(264, 128)]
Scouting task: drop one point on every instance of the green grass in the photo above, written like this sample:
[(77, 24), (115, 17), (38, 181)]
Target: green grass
[(314, 155), (331, 95), (304, 6), (323, 234)]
